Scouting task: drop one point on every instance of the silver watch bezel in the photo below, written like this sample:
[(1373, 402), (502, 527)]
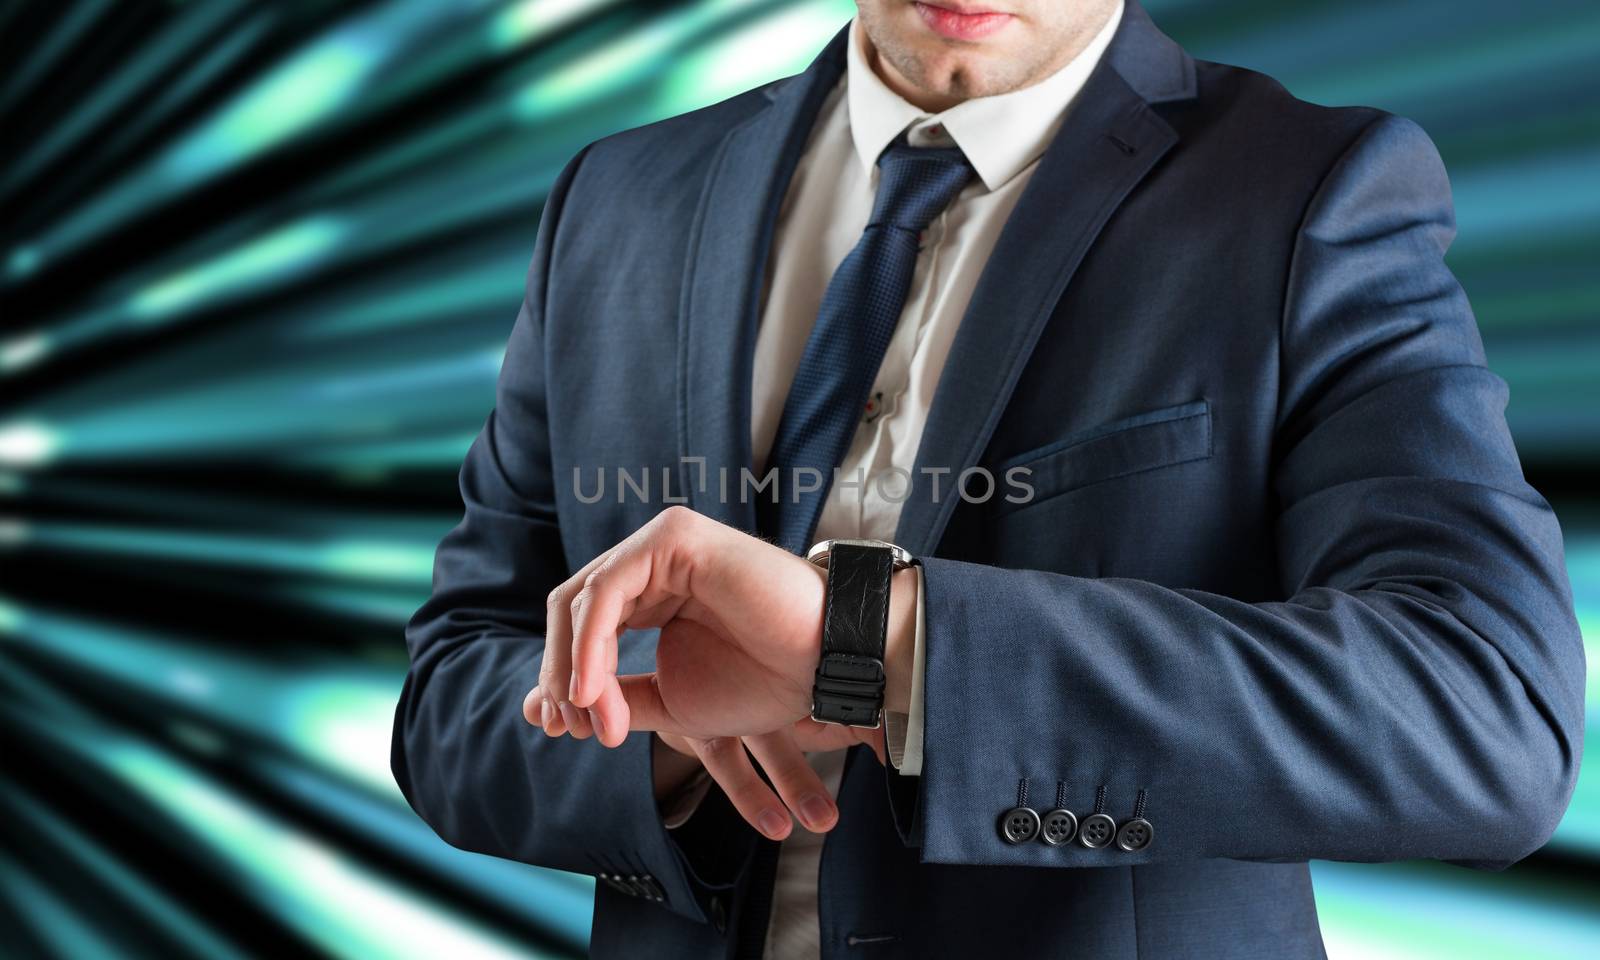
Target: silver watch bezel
[(822, 549)]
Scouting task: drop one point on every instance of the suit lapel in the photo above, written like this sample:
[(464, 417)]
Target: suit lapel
[(730, 242), (1107, 144)]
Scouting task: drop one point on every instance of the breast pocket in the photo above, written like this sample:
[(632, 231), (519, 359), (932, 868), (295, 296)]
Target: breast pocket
[(1145, 441)]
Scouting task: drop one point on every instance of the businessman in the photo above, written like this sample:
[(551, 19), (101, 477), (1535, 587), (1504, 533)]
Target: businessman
[(1010, 489)]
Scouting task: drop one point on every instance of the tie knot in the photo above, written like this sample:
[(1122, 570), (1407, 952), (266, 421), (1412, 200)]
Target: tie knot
[(915, 183)]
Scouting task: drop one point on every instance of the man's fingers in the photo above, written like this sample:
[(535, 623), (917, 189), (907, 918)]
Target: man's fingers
[(598, 609), (648, 569), (555, 666), (556, 713), (798, 785), (724, 758), (609, 715)]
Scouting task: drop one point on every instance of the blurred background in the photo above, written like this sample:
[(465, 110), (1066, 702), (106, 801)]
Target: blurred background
[(258, 264)]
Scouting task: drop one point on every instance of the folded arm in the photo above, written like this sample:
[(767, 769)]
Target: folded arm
[(1420, 691), (482, 777)]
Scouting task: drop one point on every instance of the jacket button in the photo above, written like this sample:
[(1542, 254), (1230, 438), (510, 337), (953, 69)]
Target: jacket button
[(1019, 825), (1097, 830), (1136, 834), (719, 914), (1058, 827)]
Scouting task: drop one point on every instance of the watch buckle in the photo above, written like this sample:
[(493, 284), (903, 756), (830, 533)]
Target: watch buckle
[(851, 688)]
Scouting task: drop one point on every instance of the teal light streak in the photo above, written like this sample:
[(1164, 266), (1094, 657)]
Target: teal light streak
[(301, 93), (330, 723), (774, 46), (1436, 912), (283, 251), (25, 350), (389, 562), (529, 20), (66, 933), (335, 715), (128, 885), (623, 62), (345, 908), (28, 444)]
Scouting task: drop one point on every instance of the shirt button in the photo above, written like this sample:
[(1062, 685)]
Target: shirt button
[(1019, 825), (719, 914), (1136, 834), (1097, 830), (1058, 827)]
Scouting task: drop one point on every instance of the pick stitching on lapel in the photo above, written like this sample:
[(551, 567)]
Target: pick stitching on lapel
[(726, 264)]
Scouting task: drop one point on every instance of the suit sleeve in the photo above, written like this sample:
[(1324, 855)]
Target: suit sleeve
[(467, 762), (1417, 693)]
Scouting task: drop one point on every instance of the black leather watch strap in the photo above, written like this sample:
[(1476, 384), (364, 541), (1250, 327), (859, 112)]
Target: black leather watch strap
[(849, 680)]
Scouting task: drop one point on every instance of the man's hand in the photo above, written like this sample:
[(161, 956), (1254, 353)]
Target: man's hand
[(782, 755), (741, 633)]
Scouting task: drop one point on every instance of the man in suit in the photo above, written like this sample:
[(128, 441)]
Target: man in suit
[(1224, 559)]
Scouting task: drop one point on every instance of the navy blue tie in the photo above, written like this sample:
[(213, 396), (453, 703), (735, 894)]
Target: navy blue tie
[(858, 316)]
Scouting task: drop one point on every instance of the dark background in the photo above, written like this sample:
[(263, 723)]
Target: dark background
[(258, 264)]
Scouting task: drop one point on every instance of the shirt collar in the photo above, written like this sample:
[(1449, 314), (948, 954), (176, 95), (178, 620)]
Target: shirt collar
[(1000, 135)]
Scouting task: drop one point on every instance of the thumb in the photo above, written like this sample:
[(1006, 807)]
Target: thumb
[(646, 711)]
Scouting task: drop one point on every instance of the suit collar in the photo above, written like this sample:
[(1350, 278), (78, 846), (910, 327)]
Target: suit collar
[(1149, 61)]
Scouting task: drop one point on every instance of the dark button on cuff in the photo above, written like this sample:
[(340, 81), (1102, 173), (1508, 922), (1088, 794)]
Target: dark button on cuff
[(1097, 830), (1019, 825), (1058, 827), (1136, 834)]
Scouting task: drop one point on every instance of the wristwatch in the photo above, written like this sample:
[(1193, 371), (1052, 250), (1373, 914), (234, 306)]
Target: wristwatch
[(848, 685)]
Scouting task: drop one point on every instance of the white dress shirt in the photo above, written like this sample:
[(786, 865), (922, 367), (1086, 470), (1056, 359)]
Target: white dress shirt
[(821, 220)]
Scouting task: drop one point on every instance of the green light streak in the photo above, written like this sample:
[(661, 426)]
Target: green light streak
[(25, 351), (298, 95), (283, 251), (128, 885), (50, 918), (345, 908), (336, 716), (751, 56), (621, 63), (28, 444), (392, 562), (530, 20)]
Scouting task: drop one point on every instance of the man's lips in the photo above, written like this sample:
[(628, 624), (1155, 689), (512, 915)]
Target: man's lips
[(961, 25)]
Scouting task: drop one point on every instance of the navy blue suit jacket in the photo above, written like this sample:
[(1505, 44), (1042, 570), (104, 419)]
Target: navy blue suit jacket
[(1281, 570)]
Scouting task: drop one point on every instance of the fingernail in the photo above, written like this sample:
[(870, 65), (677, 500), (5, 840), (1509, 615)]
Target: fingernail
[(771, 823), (546, 712), (572, 684), (816, 810), (569, 713), (594, 718)]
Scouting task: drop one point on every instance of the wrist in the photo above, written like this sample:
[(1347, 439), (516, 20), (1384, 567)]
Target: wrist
[(899, 644)]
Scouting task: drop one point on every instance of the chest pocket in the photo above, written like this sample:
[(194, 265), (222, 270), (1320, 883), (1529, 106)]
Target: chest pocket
[(1145, 441)]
